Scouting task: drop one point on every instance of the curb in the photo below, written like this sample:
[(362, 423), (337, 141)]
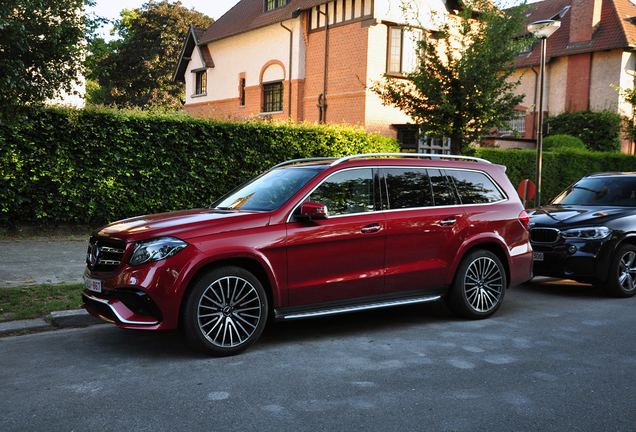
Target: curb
[(61, 319)]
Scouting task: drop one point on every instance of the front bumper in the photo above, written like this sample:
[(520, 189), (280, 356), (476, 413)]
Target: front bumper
[(144, 297), (586, 262)]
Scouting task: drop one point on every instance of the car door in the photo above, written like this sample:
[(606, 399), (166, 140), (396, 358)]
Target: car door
[(425, 228), (343, 256)]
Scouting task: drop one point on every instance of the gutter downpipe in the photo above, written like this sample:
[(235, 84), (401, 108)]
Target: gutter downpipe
[(291, 45), (322, 98)]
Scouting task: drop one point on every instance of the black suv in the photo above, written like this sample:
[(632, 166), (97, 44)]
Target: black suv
[(588, 233)]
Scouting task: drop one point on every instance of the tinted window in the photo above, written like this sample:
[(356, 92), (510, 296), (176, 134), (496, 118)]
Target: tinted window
[(345, 192), (408, 188), (614, 191), (443, 191), (475, 187)]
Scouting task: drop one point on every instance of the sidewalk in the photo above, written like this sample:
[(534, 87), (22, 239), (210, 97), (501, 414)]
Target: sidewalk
[(44, 260)]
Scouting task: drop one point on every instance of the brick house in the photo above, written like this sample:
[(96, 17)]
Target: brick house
[(307, 60), (586, 57)]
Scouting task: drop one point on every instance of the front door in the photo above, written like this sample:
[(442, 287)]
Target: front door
[(343, 256)]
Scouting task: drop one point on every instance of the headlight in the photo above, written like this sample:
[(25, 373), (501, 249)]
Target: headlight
[(587, 233), (157, 249)]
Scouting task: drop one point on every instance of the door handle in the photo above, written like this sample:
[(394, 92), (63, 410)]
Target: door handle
[(371, 228), (448, 221)]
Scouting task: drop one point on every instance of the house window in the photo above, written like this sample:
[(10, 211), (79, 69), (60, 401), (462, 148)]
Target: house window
[(516, 126), (408, 138), (273, 4), (403, 50), (200, 82), (242, 91), (273, 97), (434, 145)]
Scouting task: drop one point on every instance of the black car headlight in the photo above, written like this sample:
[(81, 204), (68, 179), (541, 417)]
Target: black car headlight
[(157, 249), (587, 233)]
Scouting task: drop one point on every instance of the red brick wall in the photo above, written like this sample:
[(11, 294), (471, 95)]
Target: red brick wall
[(577, 90), (346, 74)]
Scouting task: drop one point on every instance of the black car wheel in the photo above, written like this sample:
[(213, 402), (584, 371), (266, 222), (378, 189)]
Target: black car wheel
[(225, 311), (479, 286), (621, 281)]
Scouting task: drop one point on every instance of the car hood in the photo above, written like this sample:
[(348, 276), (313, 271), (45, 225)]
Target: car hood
[(183, 224), (558, 215)]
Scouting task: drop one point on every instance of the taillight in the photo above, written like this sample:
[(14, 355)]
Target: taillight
[(525, 220)]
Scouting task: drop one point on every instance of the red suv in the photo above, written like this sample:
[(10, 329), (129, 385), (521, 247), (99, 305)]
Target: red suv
[(315, 237)]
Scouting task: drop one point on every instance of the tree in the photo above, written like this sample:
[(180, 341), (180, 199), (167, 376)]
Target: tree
[(462, 86), (41, 50), (136, 70)]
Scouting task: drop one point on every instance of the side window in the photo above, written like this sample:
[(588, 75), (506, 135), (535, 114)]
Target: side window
[(443, 193), (346, 192), (475, 187), (408, 188)]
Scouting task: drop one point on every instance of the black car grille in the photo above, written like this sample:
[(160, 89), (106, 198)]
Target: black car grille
[(544, 235), (104, 254), (138, 302)]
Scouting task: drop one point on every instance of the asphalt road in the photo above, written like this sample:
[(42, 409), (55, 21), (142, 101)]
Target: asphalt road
[(556, 356)]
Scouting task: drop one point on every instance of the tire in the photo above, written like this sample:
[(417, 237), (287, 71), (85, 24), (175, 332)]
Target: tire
[(479, 286), (225, 311), (621, 280)]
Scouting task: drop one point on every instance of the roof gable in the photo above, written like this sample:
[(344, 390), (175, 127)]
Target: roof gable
[(189, 46)]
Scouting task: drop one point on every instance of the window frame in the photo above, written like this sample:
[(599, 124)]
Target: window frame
[(200, 82), (242, 92), (269, 92), (392, 49), (270, 5)]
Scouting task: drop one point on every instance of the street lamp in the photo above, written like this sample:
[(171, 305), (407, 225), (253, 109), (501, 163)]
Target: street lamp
[(543, 30)]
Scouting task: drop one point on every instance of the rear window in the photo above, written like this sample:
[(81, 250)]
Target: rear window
[(475, 187)]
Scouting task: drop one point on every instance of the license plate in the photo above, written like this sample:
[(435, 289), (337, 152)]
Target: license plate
[(537, 256), (93, 284)]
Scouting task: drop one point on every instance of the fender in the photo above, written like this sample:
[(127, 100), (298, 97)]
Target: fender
[(469, 243)]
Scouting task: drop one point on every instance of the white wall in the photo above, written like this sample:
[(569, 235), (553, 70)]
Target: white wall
[(249, 53)]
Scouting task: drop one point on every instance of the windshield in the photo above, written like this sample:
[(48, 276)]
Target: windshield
[(600, 191), (268, 191)]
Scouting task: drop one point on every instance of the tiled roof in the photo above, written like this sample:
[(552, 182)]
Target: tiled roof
[(248, 15), (615, 29)]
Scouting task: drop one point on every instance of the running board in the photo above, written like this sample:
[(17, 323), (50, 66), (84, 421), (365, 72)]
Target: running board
[(354, 308)]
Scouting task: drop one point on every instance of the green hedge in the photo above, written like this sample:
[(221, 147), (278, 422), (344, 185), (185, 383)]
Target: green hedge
[(599, 131), (559, 169), (93, 166), (555, 143)]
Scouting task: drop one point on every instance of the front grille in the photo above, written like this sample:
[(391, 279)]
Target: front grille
[(544, 235), (104, 254)]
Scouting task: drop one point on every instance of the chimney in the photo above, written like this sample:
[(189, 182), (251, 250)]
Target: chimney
[(585, 15)]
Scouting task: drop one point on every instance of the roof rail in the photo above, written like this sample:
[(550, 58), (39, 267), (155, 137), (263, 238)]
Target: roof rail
[(409, 155), (340, 160), (294, 161)]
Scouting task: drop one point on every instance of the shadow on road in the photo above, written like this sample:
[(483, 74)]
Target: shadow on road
[(563, 288)]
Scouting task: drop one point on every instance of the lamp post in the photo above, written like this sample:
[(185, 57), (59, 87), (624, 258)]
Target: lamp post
[(543, 30)]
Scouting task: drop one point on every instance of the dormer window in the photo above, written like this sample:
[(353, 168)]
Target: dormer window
[(274, 4)]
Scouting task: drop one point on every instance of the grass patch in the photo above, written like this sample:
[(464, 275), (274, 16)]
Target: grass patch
[(38, 301)]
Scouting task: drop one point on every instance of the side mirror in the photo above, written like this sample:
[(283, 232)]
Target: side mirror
[(313, 211)]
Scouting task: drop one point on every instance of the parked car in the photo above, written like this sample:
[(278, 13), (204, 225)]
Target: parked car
[(315, 237), (588, 233)]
